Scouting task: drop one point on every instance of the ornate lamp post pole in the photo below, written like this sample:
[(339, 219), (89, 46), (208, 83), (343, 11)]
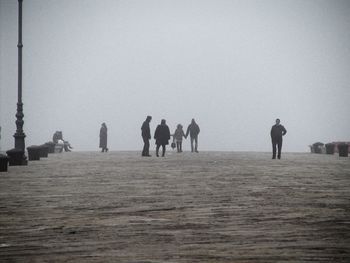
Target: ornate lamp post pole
[(19, 135), (17, 156)]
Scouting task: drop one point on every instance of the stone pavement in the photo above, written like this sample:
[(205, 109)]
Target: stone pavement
[(206, 207)]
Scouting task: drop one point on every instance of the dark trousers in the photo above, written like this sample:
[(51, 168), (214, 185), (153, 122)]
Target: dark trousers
[(195, 140), (163, 148), (145, 151), (179, 146), (276, 143)]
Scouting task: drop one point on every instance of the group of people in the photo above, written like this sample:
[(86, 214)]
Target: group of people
[(162, 136)]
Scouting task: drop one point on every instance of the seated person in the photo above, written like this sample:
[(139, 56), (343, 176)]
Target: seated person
[(58, 140)]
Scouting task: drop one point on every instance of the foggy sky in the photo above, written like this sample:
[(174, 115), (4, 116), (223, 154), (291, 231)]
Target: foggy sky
[(234, 66)]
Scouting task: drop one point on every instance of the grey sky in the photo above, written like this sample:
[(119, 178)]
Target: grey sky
[(234, 66)]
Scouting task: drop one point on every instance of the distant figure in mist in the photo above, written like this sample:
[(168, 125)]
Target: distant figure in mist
[(277, 132), (146, 136), (193, 130), (103, 137), (57, 138), (162, 137), (178, 135)]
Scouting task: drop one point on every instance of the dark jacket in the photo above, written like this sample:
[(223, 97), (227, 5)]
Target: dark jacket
[(277, 131), (162, 134), (193, 130), (146, 132), (103, 137)]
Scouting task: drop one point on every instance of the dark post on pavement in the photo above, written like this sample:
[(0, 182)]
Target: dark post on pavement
[(17, 155)]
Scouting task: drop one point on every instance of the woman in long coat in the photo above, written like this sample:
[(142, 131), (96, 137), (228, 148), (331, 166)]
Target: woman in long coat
[(162, 136), (103, 137)]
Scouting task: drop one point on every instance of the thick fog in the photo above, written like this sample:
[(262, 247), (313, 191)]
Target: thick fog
[(234, 66)]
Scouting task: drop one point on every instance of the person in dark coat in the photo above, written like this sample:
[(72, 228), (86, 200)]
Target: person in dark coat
[(146, 136), (162, 137), (103, 137), (193, 130), (277, 132)]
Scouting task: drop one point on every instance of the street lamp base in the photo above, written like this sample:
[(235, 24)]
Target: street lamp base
[(17, 157)]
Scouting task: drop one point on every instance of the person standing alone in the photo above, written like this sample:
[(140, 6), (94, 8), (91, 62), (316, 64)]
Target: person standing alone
[(277, 132), (193, 130), (146, 136), (103, 138)]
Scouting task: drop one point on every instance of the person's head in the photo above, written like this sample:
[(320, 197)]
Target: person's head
[(149, 118), (278, 121), (193, 121), (179, 126), (104, 124), (162, 122)]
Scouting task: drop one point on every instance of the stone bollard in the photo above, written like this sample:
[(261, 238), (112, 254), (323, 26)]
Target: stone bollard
[(3, 163), (44, 150), (16, 157), (343, 150), (51, 146), (330, 148), (33, 153)]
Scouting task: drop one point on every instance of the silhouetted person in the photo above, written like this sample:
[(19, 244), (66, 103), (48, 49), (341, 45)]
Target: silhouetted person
[(178, 135), (193, 130), (277, 132), (162, 136), (146, 136), (57, 138), (103, 138)]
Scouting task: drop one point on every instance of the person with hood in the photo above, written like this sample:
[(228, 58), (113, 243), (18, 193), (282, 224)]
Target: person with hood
[(162, 137), (277, 132), (178, 134), (103, 137), (146, 136), (193, 130)]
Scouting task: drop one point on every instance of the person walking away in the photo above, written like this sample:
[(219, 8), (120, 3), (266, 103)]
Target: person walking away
[(103, 138), (162, 137), (146, 136), (178, 135), (193, 130), (277, 132)]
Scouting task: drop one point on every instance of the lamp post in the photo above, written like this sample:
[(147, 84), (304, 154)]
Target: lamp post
[(17, 155)]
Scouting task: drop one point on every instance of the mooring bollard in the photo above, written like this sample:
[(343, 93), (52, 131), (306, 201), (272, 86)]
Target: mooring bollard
[(33, 153), (343, 150), (16, 157), (51, 146), (3, 163), (330, 148), (44, 150)]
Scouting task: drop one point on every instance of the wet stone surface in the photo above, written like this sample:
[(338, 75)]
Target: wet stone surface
[(206, 207)]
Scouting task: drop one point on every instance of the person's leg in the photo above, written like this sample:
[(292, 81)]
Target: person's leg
[(178, 146), (196, 144), (163, 149), (180, 143), (192, 139), (279, 144), (65, 146), (157, 150), (274, 144), (145, 146)]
